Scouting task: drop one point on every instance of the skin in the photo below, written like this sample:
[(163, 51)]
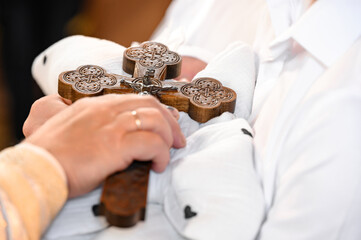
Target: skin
[(95, 137), (190, 67), (89, 151)]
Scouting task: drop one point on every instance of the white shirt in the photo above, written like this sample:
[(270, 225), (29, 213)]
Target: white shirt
[(209, 26), (306, 118)]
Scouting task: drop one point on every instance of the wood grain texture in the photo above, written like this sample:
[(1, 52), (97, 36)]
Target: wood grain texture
[(131, 184), (124, 195)]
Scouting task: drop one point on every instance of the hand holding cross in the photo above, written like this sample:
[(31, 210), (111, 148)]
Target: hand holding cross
[(124, 194)]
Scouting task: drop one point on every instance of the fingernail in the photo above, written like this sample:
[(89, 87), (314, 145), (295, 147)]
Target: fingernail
[(174, 111), (170, 108), (184, 80)]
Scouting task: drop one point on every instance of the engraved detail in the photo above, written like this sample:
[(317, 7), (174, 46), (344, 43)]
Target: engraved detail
[(154, 82), (139, 87), (152, 55), (89, 79), (207, 92)]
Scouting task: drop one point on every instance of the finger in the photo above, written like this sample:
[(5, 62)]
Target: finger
[(51, 105), (124, 102), (145, 119), (66, 101), (172, 115), (130, 102), (114, 105), (185, 79), (173, 111), (146, 146), (190, 67), (42, 110)]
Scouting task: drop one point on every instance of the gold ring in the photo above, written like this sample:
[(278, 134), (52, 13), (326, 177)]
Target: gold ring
[(137, 121)]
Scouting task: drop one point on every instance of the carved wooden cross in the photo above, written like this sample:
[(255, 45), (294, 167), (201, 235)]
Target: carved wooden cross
[(124, 194)]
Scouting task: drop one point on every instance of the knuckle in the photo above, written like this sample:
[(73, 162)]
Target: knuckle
[(158, 142), (83, 103), (151, 100), (112, 96), (93, 107), (37, 104), (159, 125), (155, 115), (27, 129)]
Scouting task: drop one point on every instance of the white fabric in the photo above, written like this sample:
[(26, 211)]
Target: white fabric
[(306, 116), (232, 66), (76, 219), (214, 174), (70, 53), (156, 227), (209, 26)]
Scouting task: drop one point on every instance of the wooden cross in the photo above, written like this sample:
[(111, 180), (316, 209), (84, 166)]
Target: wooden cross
[(124, 193)]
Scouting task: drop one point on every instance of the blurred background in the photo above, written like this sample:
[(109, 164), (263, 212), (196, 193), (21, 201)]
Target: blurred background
[(27, 27)]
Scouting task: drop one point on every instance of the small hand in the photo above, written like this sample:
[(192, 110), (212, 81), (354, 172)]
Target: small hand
[(190, 67)]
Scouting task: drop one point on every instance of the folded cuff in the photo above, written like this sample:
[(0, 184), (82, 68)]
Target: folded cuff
[(35, 185)]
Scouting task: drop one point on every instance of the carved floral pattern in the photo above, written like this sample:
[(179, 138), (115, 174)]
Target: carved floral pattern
[(152, 55), (89, 79), (207, 92)]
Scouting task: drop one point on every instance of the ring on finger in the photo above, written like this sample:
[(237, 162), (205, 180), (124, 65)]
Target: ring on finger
[(137, 120)]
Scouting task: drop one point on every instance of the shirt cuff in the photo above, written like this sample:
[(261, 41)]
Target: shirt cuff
[(45, 155), (35, 187)]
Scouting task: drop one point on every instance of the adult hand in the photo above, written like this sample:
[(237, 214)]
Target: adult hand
[(42, 110), (95, 137), (190, 67)]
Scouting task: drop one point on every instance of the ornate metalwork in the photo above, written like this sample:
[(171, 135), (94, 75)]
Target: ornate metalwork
[(152, 55), (207, 92), (142, 89), (89, 79)]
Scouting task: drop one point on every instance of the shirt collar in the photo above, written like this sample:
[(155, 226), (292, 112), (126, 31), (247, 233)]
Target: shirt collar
[(326, 30), (284, 13)]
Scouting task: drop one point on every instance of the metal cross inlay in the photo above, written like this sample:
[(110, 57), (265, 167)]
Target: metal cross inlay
[(150, 89), (207, 92), (89, 79)]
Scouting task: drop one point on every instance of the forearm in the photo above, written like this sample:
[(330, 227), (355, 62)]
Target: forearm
[(32, 191)]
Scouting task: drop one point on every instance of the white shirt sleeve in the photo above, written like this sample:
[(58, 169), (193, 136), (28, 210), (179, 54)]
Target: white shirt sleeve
[(33, 188)]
